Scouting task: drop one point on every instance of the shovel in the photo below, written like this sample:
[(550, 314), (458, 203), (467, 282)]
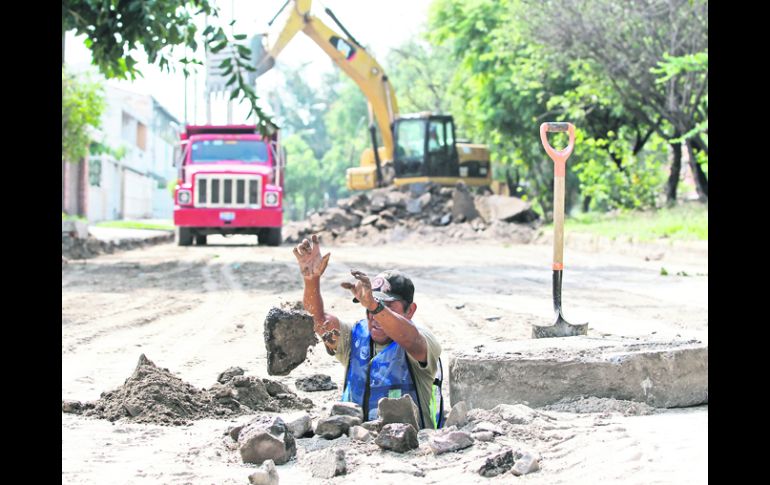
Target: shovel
[(561, 327)]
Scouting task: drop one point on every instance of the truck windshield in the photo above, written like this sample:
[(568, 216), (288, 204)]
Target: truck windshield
[(247, 151)]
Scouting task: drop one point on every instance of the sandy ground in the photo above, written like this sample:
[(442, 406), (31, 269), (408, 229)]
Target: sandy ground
[(199, 310)]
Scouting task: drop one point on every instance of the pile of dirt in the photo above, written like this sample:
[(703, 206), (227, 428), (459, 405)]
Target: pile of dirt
[(154, 395), (420, 211), (592, 404)]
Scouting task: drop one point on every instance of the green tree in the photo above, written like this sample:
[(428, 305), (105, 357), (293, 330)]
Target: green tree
[(421, 75), (346, 123), (503, 83), (628, 40), (115, 30), (509, 80), (303, 178), (81, 111)]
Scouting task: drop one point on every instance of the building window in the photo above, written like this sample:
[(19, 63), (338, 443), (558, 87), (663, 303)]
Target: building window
[(141, 136), (95, 172)]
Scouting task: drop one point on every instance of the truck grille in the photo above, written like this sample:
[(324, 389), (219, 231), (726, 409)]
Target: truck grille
[(228, 191)]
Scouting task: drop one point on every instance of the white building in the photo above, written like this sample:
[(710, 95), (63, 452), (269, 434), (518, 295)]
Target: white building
[(134, 185)]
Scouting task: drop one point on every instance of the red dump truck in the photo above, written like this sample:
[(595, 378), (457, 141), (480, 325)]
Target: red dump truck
[(230, 182)]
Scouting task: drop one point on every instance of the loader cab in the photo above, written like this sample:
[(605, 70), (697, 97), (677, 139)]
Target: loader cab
[(425, 146)]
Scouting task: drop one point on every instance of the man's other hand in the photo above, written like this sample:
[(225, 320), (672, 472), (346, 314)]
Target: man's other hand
[(362, 289)]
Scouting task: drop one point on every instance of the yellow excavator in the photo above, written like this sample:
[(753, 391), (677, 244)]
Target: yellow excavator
[(419, 147)]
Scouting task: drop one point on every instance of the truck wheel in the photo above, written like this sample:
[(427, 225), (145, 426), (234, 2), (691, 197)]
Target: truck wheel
[(200, 240), (272, 236), (184, 236)]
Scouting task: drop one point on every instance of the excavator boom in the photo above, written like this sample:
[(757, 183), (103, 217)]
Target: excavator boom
[(350, 56)]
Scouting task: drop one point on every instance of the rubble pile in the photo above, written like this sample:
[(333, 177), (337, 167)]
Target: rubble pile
[(154, 395), (424, 211)]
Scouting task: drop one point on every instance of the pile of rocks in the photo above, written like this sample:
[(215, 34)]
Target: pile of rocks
[(425, 210)]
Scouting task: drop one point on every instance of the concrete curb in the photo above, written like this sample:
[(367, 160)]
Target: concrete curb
[(539, 372), (84, 248)]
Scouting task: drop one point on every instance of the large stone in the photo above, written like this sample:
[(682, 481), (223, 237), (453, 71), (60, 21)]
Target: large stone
[(329, 463), (525, 462), (451, 441), (266, 474), (458, 415), (483, 426), (538, 372), (266, 438), (275, 388), (345, 408), (228, 374), (483, 436), (335, 426), (374, 425), (399, 410), (74, 407), (397, 199), (515, 413), (316, 382), (335, 218), (505, 209), (463, 206), (496, 464), (300, 424), (288, 334), (397, 437), (359, 433)]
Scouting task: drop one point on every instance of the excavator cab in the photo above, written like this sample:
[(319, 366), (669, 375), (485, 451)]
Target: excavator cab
[(425, 146)]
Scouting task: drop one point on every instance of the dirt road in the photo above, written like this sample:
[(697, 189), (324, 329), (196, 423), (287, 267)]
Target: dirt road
[(200, 310)]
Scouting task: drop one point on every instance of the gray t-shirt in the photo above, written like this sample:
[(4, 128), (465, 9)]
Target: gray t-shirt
[(423, 375)]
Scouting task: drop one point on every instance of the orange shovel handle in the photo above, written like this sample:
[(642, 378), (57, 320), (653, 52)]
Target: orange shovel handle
[(559, 157)]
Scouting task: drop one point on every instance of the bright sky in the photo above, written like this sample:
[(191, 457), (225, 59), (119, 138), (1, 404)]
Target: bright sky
[(378, 25)]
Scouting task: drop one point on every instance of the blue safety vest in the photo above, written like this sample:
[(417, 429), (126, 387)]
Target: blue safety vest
[(388, 374)]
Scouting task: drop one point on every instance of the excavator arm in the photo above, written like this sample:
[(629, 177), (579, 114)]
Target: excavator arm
[(350, 56)]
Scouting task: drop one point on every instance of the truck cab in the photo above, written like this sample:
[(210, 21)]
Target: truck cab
[(231, 181)]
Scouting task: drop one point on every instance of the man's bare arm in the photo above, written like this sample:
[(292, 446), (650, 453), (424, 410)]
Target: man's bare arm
[(326, 325), (403, 331), (312, 266)]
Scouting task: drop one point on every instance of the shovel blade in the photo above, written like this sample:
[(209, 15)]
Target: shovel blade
[(560, 328)]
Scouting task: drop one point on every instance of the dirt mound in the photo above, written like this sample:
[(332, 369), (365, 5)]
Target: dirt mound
[(154, 395), (593, 404), (424, 212)]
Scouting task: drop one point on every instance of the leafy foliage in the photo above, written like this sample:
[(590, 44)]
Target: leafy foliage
[(588, 62), (81, 110), (116, 30)]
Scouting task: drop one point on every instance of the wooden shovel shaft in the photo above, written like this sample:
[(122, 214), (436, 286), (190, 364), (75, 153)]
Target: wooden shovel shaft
[(558, 223), (559, 158)]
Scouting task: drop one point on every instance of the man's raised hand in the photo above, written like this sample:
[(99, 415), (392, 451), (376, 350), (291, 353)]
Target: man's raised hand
[(308, 255)]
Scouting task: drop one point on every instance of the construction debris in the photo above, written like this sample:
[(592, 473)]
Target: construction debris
[(427, 210), (316, 382)]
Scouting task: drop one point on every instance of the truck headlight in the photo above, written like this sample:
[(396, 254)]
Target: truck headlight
[(271, 199), (184, 197)]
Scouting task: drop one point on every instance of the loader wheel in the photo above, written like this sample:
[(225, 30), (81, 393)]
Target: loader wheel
[(184, 236), (271, 236), (200, 240)]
